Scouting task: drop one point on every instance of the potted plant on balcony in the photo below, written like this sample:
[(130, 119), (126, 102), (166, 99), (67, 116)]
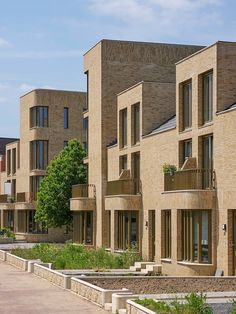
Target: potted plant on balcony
[(169, 169)]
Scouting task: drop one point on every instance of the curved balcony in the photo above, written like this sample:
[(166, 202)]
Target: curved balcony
[(25, 200), (189, 189), (83, 197), (123, 194)]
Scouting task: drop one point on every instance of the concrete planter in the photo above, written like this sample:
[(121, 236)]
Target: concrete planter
[(134, 308), (6, 240)]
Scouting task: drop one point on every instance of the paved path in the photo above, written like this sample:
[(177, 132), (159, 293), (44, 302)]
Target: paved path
[(24, 293)]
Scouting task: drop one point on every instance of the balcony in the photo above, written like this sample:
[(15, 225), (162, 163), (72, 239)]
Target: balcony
[(123, 187), (189, 189), (123, 194), (7, 202), (190, 179), (83, 197)]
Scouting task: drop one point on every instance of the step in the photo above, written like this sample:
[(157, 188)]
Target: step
[(133, 268), (108, 307), (143, 265), (150, 269), (122, 311)]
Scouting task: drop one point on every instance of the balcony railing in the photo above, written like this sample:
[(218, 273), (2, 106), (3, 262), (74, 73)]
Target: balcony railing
[(3, 198), (123, 187), (24, 197), (191, 179), (83, 190)]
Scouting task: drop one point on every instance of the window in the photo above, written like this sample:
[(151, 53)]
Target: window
[(187, 105), (207, 161), (66, 117), (83, 227), (187, 149), (207, 97), (196, 235), (136, 171), (123, 162), (127, 230), (35, 182), (65, 144), (13, 189), (135, 123), (85, 135), (39, 117), (8, 219), (123, 130), (8, 162), (166, 233), (87, 94), (33, 226), (14, 161), (39, 155)]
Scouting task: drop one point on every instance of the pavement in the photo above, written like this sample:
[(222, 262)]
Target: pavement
[(24, 293)]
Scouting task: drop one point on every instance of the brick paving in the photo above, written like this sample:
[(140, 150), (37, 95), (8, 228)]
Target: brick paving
[(24, 293)]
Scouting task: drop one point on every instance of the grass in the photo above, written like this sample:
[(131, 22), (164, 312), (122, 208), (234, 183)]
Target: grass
[(70, 256), (194, 304)]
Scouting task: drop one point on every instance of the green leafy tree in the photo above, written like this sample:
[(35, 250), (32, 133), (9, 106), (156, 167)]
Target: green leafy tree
[(53, 199)]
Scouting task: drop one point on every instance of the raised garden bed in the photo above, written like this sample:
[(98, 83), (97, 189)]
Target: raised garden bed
[(158, 285)]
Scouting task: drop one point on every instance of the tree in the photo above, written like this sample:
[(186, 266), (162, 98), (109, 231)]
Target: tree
[(53, 198)]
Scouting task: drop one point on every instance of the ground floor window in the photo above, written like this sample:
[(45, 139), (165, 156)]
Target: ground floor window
[(166, 233), (196, 236), (83, 227), (9, 219), (127, 230), (27, 223)]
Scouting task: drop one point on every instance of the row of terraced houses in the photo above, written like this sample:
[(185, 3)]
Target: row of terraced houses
[(146, 105)]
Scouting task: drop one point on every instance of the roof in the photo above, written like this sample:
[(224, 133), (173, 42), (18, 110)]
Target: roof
[(167, 125), (3, 142)]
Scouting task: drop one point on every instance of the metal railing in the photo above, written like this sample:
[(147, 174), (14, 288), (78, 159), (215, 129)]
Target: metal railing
[(24, 197), (3, 198), (190, 179), (83, 190), (123, 187)]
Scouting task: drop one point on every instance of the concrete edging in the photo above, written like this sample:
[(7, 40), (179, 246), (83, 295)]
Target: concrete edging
[(135, 308)]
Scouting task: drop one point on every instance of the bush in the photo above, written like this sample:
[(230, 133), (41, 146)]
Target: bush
[(194, 304), (72, 256), (6, 233), (169, 169)]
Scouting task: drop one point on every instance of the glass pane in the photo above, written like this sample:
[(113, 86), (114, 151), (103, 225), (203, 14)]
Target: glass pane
[(187, 105), (134, 230), (205, 237), (195, 217)]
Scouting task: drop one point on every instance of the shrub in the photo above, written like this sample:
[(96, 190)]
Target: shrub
[(70, 256), (7, 233), (169, 169)]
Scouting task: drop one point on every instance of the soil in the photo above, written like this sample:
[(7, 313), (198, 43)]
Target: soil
[(156, 285)]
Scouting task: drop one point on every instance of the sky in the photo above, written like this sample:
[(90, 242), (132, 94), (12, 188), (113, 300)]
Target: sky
[(42, 42)]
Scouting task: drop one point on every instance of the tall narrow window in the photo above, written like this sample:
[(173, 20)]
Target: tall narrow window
[(83, 227), (166, 228), (207, 97), (66, 117), (136, 171), (187, 149), (123, 162), (8, 162), (35, 182), (207, 161), (65, 144), (87, 94), (39, 154), (123, 117), (187, 105), (196, 231), (85, 134), (135, 123), (39, 117), (14, 161), (127, 230)]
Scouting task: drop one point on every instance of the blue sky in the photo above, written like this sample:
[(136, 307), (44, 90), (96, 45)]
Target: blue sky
[(42, 41)]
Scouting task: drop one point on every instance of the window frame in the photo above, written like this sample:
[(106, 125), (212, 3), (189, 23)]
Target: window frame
[(66, 118), (207, 104), (187, 106), (39, 117)]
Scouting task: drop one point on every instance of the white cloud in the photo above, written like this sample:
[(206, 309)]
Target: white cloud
[(57, 54), (4, 43), (3, 87)]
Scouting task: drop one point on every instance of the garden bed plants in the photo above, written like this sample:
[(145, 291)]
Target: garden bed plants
[(70, 256), (6, 236)]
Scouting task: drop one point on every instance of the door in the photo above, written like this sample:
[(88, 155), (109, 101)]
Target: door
[(234, 241), (152, 235)]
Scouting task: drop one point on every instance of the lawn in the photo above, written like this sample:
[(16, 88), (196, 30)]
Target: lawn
[(70, 256)]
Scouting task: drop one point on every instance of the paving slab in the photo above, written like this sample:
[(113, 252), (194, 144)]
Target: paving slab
[(24, 293)]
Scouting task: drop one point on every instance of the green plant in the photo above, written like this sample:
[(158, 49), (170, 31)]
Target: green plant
[(7, 233), (70, 256), (53, 198), (169, 169), (233, 309), (194, 304)]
